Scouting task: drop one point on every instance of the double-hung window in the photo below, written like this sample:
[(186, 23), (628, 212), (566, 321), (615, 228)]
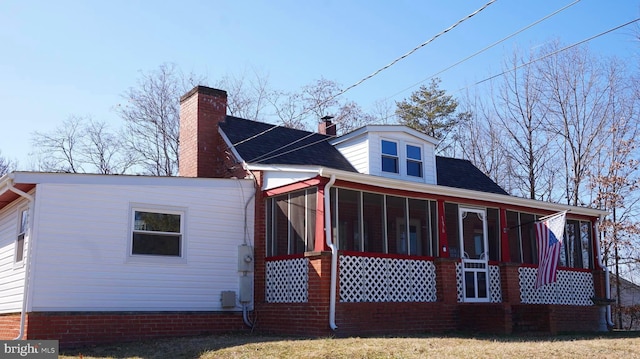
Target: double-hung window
[(414, 161), (22, 232), (390, 161), (157, 233)]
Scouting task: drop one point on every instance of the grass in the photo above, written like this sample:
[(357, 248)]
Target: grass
[(609, 345)]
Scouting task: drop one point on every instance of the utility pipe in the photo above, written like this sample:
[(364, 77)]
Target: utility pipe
[(334, 252), (25, 293)]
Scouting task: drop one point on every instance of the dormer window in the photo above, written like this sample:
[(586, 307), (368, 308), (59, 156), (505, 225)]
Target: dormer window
[(414, 161), (390, 161)]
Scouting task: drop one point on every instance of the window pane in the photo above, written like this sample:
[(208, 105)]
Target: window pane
[(349, 220), (311, 218), (297, 220), (373, 220), (390, 164), (451, 223), (528, 238), (156, 244), (585, 236), (281, 225), (513, 223), (396, 225), (389, 148), (157, 222), (271, 248), (414, 153), (493, 235), (23, 221), (20, 248), (419, 234), (414, 168)]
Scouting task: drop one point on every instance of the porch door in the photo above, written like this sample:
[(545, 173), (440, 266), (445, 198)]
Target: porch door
[(475, 254)]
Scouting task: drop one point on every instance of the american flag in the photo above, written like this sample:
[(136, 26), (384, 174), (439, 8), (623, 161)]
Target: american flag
[(549, 235)]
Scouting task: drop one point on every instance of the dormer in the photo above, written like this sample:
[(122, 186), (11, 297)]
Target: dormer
[(391, 151)]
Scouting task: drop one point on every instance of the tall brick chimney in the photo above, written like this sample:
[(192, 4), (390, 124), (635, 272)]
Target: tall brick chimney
[(201, 150)]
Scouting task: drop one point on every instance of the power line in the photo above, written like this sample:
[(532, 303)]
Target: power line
[(487, 47), (267, 157), (342, 92)]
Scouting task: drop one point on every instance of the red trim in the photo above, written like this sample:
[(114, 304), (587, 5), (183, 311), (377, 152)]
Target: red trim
[(312, 182), (384, 255), (570, 269), (458, 200), (442, 231), (283, 257), (505, 251)]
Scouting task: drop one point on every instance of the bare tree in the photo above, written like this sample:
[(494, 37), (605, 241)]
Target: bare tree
[(576, 93), (81, 145), (60, 150), (247, 97), (152, 118), (520, 111), (6, 165)]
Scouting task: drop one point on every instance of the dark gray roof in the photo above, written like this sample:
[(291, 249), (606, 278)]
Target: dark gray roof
[(454, 172), (277, 145)]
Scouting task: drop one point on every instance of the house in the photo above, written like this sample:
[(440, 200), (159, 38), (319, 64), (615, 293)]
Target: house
[(101, 258), (372, 233), (285, 231)]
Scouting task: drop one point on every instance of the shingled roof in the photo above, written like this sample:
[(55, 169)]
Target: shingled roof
[(277, 145)]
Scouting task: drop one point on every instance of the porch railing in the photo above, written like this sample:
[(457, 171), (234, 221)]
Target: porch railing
[(374, 278), (287, 280), (573, 287)]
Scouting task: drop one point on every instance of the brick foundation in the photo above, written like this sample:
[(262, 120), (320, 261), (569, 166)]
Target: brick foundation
[(81, 329)]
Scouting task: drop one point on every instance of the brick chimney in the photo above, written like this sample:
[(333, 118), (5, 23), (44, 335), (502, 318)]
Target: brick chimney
[(201, 150), (326, 127)]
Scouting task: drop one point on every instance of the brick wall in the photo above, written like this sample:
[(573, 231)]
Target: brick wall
[(81, 329), (9, 326)]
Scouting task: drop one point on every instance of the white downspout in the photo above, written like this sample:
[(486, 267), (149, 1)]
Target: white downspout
[(23, 312), (334, 253), (606, 272)]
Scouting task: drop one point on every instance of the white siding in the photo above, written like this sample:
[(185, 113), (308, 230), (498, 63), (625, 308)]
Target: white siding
[(11, 275), (356, 152), (81, 247)]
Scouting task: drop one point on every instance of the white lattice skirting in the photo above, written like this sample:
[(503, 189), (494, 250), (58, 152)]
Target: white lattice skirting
[(495, 286), (374, 279), (287, 281), (571, 288)]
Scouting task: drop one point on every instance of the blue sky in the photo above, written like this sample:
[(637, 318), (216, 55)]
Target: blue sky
[(62, 58)]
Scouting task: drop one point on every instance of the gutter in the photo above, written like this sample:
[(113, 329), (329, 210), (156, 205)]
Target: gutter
[(9, 185), (334, 252)]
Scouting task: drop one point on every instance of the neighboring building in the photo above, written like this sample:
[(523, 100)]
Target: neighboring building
[(312, 234), (629, 302)]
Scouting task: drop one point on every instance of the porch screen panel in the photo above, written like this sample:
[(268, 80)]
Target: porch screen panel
[(451, 223), (373, 221), (281, 225), (311, 218), (297, 214), (349, 237), (572, 245), (587, 249), (419, 233), (528, 238), (396, 225), (493, 235), (513, 223)]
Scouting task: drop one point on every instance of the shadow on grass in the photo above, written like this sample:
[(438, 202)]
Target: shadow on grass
[(194, 347)]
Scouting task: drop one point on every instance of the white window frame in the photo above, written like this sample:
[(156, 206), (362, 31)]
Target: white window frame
[(413, 160), (396, 157), (22, 233), (150, 258)]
